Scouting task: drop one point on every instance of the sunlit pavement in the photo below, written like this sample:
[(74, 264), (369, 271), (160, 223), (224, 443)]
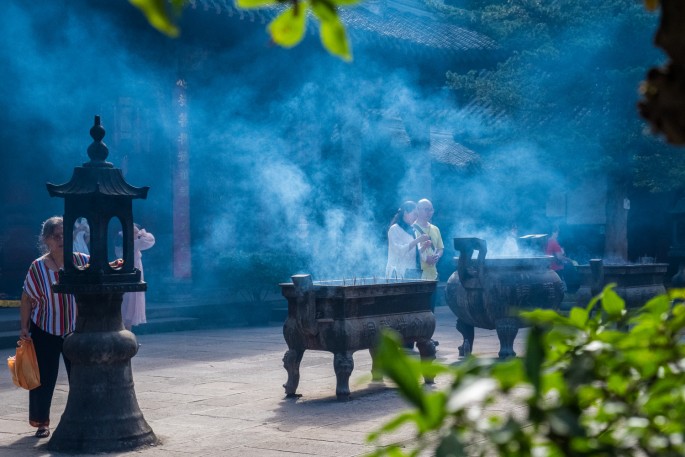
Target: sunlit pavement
[(219, 393)]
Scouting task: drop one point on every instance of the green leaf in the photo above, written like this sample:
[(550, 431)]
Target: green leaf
[(588, 395), (646, 361), (432, 370), (578, 317), (392, 425), (450, 446), (657, 306), (155, 11), (324, 11), (248, 4), (288, 28), (612, 303), (435, 409), (676, 294), (509, 373), (610, 336), (617, 383), (535, 355), (334, 39), (402, 370), (554, 381), (544, 317)]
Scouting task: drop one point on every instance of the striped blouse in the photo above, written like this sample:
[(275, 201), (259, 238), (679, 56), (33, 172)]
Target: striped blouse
[(53, 313)]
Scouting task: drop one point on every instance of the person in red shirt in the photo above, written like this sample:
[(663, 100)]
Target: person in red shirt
[(554, 249), (46, 318)]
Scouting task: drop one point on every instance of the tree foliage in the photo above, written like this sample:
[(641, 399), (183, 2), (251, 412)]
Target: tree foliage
[(287, 29), (601, 381), (567, 81)]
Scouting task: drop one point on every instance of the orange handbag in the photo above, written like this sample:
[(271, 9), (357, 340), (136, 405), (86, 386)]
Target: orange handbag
[(24, 366)]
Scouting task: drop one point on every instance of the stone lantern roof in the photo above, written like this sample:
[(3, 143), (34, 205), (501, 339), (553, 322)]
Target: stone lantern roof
[(97, 177), (102, 181)]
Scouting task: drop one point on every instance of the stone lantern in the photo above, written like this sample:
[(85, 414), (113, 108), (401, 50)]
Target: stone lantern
[(102, 412), (677, 249)]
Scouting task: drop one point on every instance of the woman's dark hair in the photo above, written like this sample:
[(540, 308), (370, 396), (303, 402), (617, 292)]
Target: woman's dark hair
[(406, 207), (46, 231)]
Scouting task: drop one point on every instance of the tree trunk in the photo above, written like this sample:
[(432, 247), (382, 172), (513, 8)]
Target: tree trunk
[(617, 207)]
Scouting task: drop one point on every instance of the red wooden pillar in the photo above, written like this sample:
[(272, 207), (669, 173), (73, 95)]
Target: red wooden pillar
[(182, 268)]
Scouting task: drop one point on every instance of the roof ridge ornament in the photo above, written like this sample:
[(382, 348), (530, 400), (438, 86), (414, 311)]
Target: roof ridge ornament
[(97, 151)]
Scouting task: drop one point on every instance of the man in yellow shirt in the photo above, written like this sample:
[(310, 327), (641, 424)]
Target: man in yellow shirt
[(431, 250)]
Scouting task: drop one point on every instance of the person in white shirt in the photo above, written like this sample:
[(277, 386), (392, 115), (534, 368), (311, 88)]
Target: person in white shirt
[(81, 236), (403, 255), (133, 306)]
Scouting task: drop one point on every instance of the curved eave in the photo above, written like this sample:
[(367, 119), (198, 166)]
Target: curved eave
[(403, 31), (434, 35), (444, 150), (108, 182)]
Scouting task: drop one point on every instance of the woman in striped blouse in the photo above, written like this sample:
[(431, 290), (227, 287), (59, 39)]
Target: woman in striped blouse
[(46, 318)]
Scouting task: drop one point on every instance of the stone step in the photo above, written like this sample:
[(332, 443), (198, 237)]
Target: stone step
[(8, 339), (279, 314), (168, 324), (168, 319), (9, 320)]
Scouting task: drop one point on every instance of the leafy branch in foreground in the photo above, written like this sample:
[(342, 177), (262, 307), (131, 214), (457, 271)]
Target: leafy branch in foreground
[(601, 381), (286, 30)]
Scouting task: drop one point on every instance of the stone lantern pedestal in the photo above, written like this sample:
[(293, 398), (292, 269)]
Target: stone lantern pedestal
[(102, 412)]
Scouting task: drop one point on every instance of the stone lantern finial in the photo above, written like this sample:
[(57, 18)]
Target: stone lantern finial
[(97, 151)]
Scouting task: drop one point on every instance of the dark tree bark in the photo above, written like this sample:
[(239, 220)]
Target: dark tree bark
[(616, 236), (663, 103)]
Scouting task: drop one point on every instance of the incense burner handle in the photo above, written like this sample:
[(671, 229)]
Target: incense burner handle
[(467, 268), (306, 304)]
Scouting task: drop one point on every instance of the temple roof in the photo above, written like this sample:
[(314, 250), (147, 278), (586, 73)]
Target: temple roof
[(443, 148), (446, 151), (401, 24), (413, 30)]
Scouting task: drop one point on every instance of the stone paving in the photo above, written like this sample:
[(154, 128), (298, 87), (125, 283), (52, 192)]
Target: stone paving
[(219, 392)]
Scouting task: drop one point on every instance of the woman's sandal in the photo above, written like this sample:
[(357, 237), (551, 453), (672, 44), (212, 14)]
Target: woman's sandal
[(42, 432)]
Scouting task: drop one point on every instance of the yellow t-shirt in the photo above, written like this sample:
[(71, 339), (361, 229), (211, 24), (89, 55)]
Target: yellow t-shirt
[(430, 271)]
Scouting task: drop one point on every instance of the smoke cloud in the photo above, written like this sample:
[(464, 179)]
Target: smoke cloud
[(291, 151)]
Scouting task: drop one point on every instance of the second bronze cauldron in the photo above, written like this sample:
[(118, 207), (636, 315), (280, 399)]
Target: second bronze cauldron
[(490, 293)]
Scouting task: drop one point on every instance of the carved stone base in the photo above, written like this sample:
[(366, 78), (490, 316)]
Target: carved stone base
[(102, 413)]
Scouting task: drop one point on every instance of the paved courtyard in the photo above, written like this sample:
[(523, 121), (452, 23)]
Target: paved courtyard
[(219, 392)]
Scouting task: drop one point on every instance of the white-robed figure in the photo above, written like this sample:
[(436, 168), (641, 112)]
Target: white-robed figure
[(403, 256), (133, 306), (81, 236)]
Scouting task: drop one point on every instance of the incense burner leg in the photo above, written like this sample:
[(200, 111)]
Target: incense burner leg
[(467, 332), (343, 364), (427, 351), (507, 328), (291, 362)]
